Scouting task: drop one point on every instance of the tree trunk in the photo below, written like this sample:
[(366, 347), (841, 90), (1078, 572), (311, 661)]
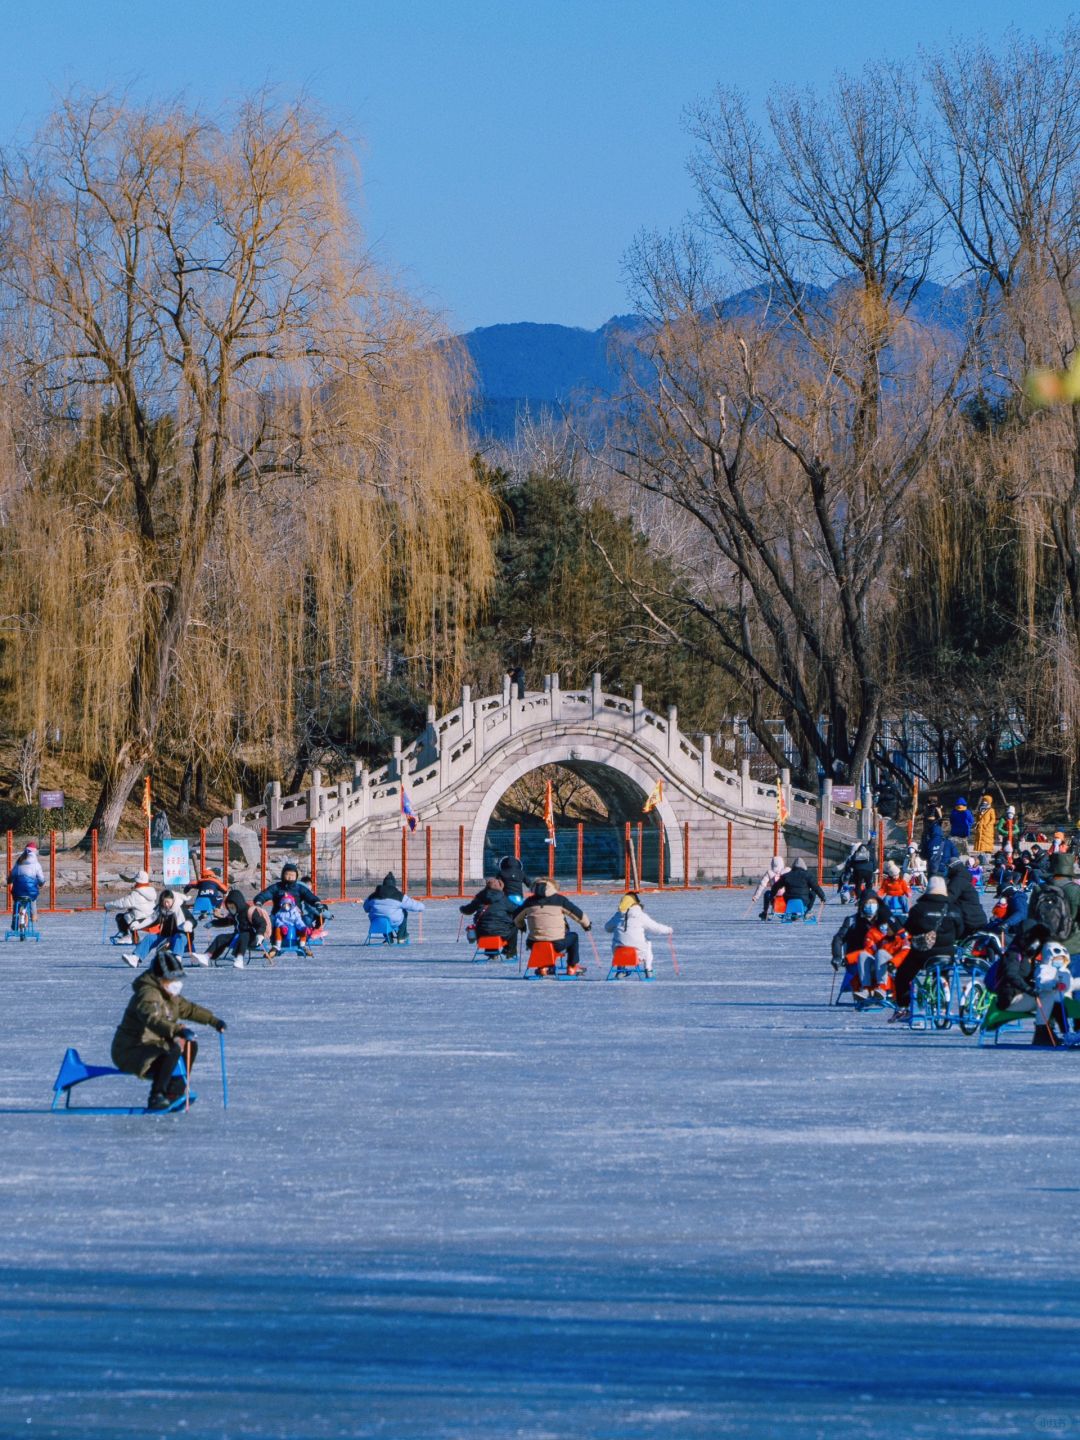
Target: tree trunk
[(200, 785), (123, 775), (183, 796)]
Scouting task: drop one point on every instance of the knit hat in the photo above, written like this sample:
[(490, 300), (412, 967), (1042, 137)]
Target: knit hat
[(31, 846), (166, 966), (936, 885), (142, 878), (892, 870), (628, 901)]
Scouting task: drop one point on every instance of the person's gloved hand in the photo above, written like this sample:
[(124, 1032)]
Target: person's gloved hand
[(219, 1025), (186, 1034), (586, 924)]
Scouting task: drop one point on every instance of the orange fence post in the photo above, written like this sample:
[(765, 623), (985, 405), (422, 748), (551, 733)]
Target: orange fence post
[(343, 870), (551, 860), (686, 855), (52, 869), (660, 857), (202, 853), (264, 846), (729, 854), (640, 828), (427, 862), (146, 850), (225, 856), (461, 861), (314, 861), (627, 852), (820, 850), (405, 859), (580, 855), (10, 867), (517, 842), (93, 869), (776, 837)]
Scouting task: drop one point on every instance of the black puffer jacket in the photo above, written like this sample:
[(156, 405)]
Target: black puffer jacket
[(797, 884), (964, 898), (494, 914), (934, 912)]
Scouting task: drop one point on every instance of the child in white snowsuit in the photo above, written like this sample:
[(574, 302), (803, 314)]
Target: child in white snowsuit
[(630, 925)]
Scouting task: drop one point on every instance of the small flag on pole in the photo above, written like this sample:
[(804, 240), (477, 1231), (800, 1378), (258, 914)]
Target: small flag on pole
[(549, 814), (407, 814), (781, 803), (655, 797), (146, 799)]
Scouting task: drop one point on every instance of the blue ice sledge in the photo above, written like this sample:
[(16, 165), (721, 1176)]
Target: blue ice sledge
[(74, 1071)]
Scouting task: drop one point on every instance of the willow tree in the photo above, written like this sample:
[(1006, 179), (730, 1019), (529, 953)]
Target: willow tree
[(792, 424), (1006, 173), (231, 442)]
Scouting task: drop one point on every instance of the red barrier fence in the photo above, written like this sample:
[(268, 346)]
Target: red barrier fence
[(632, 877), (517, 842), (146, 850)]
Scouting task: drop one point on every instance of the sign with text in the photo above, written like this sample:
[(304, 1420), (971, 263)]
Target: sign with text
[(51, 799), (843, 794), (175, 863)]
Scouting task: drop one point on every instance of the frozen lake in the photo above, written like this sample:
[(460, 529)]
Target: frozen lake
[(447, 1203)]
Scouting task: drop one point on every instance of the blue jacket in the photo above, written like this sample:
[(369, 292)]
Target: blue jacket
[(961, 821), (392, 910), (26, 879)]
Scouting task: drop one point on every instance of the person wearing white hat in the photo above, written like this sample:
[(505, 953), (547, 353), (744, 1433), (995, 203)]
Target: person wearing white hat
[(135, 911)]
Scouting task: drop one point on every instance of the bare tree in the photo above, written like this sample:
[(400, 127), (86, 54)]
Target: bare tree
[(792, 423)]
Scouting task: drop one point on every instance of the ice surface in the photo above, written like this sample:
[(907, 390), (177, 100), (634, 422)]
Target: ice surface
[(445, 1202)]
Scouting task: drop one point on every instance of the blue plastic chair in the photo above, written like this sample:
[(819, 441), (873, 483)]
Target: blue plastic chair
[(381, 930), (794, 910), (74, 1071)]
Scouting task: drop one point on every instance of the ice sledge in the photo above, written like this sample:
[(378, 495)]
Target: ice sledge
[(382, 931), (625, 961), (75, 1071), (544, 956), (22, 923)]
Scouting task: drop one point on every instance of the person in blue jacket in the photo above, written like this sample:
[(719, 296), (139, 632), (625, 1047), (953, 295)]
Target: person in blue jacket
[(387, 901), (26, 879), (961, 820)]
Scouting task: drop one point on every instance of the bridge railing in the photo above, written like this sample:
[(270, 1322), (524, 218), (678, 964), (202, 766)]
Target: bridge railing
[(452, 747)]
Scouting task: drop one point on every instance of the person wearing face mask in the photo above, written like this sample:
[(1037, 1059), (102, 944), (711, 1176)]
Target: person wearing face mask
[(151, 1036)]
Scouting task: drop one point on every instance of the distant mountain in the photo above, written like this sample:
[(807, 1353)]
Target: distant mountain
[(536, 369), (529, 369)]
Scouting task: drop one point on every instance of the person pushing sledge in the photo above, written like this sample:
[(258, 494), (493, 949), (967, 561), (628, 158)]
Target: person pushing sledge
[(151, 1036)]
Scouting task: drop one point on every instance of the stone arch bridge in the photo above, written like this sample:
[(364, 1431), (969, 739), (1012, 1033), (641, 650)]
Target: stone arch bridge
[(462, 763)]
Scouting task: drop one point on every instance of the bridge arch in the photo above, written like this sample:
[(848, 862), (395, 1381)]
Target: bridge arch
[(608, 768)]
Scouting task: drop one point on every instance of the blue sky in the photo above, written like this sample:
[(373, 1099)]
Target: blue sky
[(510, 151)]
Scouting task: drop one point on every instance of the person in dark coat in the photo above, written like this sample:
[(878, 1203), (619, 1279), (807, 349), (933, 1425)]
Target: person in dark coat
[(964, 897), (859, 870), (515, 881), (289, 884), (494, 913), (246, 925), (938, 850), (150, 1037), (517, 681), (933, 915), (798, 884)]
